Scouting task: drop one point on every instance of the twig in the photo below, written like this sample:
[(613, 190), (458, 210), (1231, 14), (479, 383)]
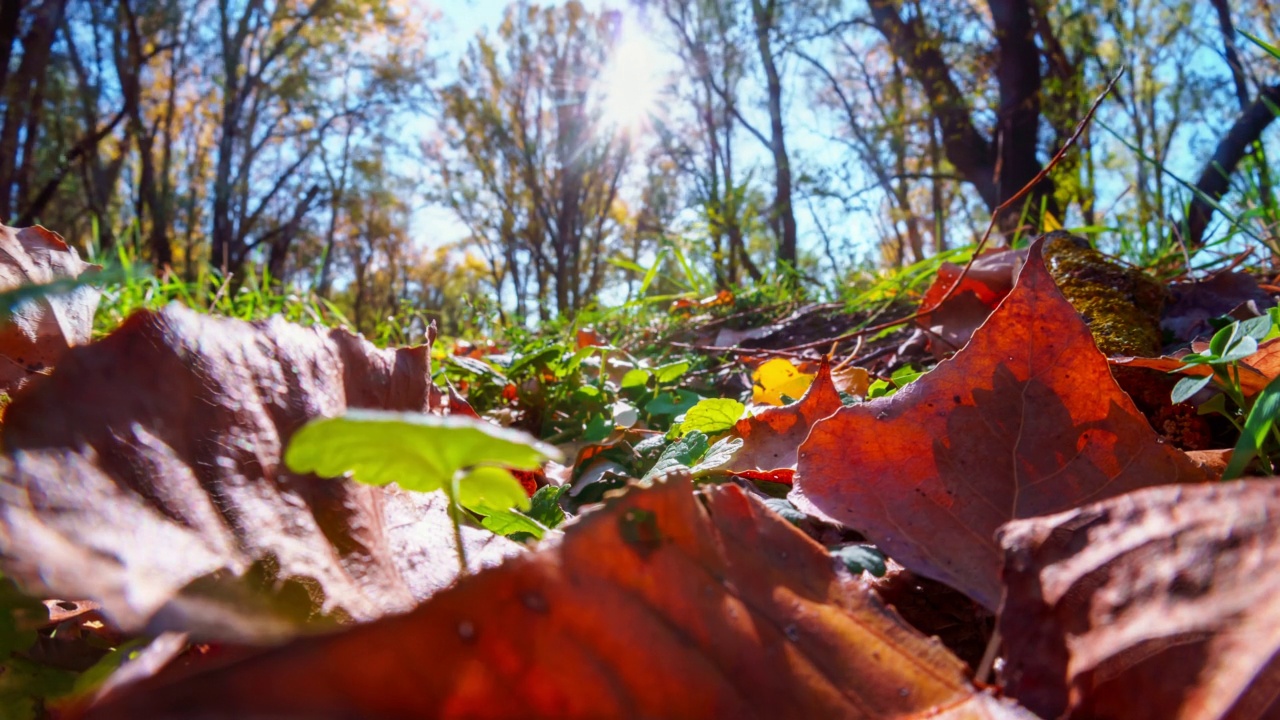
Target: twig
[(988, 657), (995, 215)]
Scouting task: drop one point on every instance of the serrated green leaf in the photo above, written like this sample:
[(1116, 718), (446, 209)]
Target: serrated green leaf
[(713, 415), (486, 489), (477, 367), (545, 506), (1189, 386), (684, 452), (905, 375), (420, 452), (718, 456)]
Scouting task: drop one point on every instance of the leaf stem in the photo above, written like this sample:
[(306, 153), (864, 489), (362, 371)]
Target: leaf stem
[(455, 517)]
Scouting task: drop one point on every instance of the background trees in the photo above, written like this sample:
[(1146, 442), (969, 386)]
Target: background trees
[(791, 139)]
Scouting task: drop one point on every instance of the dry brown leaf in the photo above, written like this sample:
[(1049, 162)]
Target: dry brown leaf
[(40, 330), (1025, 420), (1158, 604), (771, 437), (145, 473), (656, 605)]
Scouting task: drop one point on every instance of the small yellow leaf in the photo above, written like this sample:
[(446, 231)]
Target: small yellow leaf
[(1050, 222), (776, 378)]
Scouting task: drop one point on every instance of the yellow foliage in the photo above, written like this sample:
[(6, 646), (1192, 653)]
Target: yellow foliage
[(776, 378)]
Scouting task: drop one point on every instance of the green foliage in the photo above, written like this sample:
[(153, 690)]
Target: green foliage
[(458, 455), (683, 453), (712, 415), (858, 557)]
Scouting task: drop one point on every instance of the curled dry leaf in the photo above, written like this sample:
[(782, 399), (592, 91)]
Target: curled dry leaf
[(697, 609), (770, 438), (145, 473), (988, 281), (1194, 304), (40, 330), (1157, 604), (1025, 420)]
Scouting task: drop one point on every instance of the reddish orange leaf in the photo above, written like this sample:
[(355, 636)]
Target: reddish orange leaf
[(1158, 604), (655, 606), (989, 280), (1025, 420), (145, 473), (770, 438)]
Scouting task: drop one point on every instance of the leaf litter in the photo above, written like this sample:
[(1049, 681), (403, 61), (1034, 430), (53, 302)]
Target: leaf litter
[(145, 474)]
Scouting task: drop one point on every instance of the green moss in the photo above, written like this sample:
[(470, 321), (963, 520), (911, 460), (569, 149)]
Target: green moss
[(1120, 304)]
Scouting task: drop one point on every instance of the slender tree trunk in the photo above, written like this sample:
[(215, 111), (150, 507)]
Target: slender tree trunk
[(765, 14)]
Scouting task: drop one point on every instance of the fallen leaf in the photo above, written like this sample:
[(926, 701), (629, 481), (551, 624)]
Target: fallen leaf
[(708, 609), (1025, 420), (1156, 604), (145, 473), (952, 322), (770, 438), (776, 378), (40, 330), (1194, 304)]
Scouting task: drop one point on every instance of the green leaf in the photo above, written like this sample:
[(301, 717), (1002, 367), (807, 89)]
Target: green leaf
[(784, 508), (487, 489), (1221, 340), (858, 558), (713, 415), (1189, 386), (476, 367), (1265, 410), (718, 456), (635, 378), (538, 359), (1271, 49), (1256, 328), (905, 375), (879, 388), (545, 505), (671, 402), (509, 522), (682, 453), (671, 371), (420, 452), (1242, 347)]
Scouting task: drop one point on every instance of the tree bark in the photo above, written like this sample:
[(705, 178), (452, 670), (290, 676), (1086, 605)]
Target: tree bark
[(765, 15)]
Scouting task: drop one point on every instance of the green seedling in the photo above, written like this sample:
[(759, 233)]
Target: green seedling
[(1228, 346), (467, 459)]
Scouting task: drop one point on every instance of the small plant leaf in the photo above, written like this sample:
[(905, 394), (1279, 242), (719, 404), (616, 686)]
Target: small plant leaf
[(684, 452), (545, 505), (635, 378), (671, 371), (672, 402), (489, 488), (712, 415), (1256, 427), (1189, 386), (1221, 340), (718, 456), (857, 558), (510, 522), (1257, 328), (420, 452)]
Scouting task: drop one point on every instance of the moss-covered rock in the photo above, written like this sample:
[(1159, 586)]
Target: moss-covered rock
[(1121, 304)]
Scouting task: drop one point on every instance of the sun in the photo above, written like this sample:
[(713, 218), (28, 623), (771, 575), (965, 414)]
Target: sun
[(631, 81)]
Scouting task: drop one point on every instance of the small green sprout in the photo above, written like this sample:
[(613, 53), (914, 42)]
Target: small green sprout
[(467, 459)]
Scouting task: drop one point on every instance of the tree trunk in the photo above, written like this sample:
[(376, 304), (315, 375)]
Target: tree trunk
[(784, 214)]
